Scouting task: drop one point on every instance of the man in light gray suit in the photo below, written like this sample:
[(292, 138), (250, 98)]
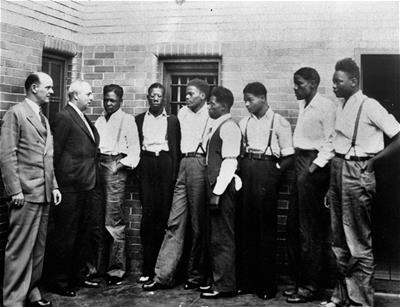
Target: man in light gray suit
[(26, 162)]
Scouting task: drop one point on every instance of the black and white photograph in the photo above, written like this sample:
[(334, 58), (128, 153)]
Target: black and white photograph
[(190, 153)]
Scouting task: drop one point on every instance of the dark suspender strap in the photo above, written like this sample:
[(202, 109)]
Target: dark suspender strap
[(245, 140), (119, 131), (270, 135), (201, 140), (353, 140)]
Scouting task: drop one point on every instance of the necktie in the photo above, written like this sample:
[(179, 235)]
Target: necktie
[(43, 120)]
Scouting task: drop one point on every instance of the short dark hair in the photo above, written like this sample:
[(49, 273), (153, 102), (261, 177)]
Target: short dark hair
[(201, 85), (156, 85), (255, 88), (31, 79), (349, 66), (118, 90), (223, 96), (309, 74)]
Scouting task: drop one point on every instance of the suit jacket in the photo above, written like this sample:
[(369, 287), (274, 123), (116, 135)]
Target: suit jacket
[(75, 151), (174, 139), (26, 155)]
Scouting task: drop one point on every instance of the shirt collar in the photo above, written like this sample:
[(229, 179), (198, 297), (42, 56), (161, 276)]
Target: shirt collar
[(34, 106), (312, 103), (357, 96), (80, 113), (117, 113), (164, 113), (222, 118), (267, 115), (201, 111)]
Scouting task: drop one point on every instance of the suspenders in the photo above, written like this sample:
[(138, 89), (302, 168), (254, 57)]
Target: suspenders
[(354, 138), (200, 146), (271, 129)]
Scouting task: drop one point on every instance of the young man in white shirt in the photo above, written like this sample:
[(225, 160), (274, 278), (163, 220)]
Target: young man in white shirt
[(119, 153), (312, 140), (189, 201), (268, 151), (361, 123)]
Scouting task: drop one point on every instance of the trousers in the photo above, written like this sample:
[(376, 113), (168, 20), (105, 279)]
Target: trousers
[(188, 207), (257, 225), (156, 188), (113, 182), (351, 195), (24, 254), (312, 218)]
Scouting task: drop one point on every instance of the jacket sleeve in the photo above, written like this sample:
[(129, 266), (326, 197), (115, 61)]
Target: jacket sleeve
[(9, 142)]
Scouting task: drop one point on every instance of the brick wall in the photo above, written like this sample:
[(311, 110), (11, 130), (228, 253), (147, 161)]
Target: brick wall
[(125, 43)]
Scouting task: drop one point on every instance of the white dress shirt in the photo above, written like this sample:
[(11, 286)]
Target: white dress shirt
[(231, 141), (194, 128), (155, 132), (128, 143), (314, 128), (80, 113), (258, 130), (374, 121)]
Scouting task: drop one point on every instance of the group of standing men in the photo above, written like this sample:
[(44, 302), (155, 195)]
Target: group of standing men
[(190, 168)]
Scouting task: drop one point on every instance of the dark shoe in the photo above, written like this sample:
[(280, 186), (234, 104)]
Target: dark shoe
[(303, 296), (143, 279), (40, 303), (190, 285), (244, 291), (87, 283), (289, 292), (63, 291), (266, 295), (153, 286), (114, 280), (217, 294)]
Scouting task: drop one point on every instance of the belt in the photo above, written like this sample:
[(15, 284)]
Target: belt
[(259, 156), (154, 153), (107, 157), (193, 154), (306, 151), (352, 158)]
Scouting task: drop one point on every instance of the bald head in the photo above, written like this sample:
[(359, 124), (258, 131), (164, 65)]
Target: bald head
[(80, 94)]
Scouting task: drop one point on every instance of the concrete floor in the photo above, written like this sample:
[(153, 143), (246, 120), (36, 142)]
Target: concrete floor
[(131, 294)]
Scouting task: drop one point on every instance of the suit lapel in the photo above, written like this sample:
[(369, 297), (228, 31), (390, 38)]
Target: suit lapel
[(32, 118), (79, 121)]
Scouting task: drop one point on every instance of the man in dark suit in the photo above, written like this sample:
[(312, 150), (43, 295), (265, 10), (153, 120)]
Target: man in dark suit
[(76, 225), (159, 136), (26, 162)]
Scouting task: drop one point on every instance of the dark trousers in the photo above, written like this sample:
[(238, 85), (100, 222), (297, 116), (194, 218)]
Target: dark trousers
[(188, 207), (75, 238), (257, 225), (222, 247), (156, 188), (310, 219)]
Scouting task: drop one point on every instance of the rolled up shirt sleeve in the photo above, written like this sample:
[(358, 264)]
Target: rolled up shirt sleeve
[(231, 138)]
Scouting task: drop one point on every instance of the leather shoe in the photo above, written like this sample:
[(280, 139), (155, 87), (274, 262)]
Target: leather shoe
[(289, 292), (87, 283), (244, 291), (190, 285), (153, 286), (265, 295), (216, 294), (303, 297), (40, 303), (63, 291), (205, 288), (114, 280), (143, 279)]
